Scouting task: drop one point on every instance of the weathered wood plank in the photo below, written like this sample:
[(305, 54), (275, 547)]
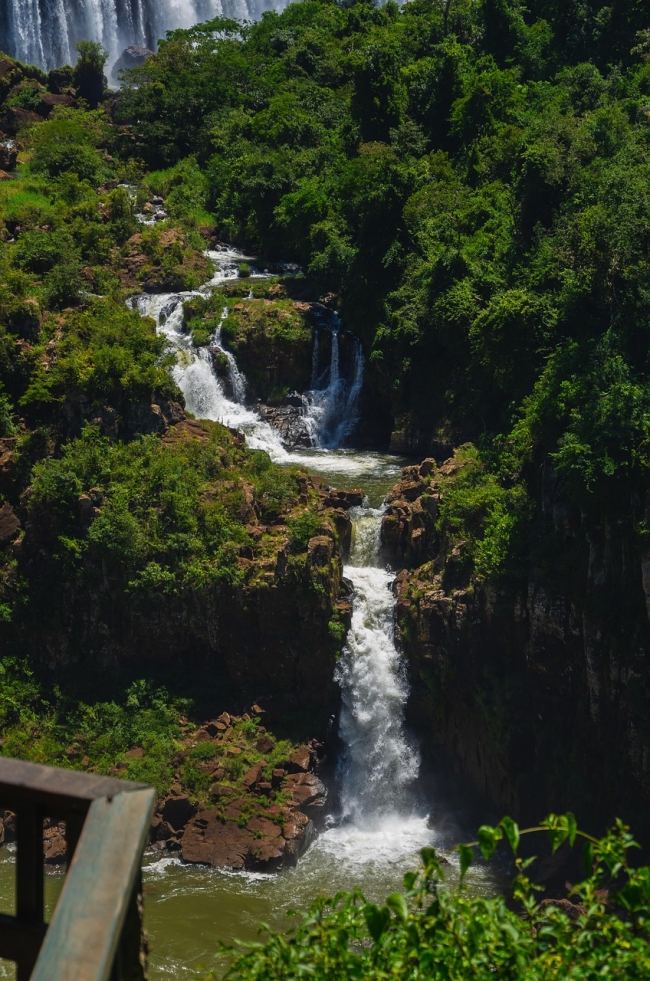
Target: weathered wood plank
[(30, 892), (85, 931), (17, 939), (55, 788)]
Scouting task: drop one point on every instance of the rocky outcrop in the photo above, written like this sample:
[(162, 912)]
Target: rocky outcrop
[(272, 338), (537, 685), (263, 819), (132, 56), (162, 261), (264, 631), (290, 422), (9, 524)]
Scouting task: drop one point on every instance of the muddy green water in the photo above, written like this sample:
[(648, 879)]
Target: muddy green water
[(189, 909)]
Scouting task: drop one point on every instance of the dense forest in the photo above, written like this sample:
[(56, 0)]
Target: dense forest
[(468, 182)]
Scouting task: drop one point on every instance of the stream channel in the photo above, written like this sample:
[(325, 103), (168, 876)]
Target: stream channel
[(385, 805)]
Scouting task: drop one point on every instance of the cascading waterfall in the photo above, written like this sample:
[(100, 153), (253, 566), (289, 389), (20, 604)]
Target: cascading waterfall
[(380, 763), (45, 32), (331, 413), (194, 372)]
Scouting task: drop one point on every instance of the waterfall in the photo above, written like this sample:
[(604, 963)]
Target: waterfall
[(236, 377), (331, 413), (315, 361), (45, 32), (380, 763), (194, 372), (328, 414)]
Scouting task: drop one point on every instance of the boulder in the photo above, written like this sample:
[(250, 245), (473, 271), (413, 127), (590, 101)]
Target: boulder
[(345, 499), (54, 845), (254, 774), (16, 119), (300, 761), (307, 791), (132, 56), (209, 840), (264, 744)]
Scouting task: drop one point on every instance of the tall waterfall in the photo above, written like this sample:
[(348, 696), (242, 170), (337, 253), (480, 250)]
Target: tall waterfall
[(331, 412), (45, 32), (380, 763)]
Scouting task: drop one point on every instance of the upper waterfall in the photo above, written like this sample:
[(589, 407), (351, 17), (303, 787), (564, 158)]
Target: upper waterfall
[(45, 32)]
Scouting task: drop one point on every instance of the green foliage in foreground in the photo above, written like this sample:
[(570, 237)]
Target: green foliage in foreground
[(431, 932)]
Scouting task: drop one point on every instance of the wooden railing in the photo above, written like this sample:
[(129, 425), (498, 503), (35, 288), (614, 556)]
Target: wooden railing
[(95, 933)]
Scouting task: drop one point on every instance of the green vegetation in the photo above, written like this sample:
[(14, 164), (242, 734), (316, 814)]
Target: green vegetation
[(469, 178), (430, 931)]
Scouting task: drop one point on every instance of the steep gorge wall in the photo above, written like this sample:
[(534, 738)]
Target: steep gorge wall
[(538, 686)]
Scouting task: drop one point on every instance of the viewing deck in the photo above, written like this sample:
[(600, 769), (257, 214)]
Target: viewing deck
[(95, 933)]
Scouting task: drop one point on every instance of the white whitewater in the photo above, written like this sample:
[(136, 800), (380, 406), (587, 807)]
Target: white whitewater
[(329, 414), (45, 32), (332, 412), (194, 372), (380, 763), (379, 826)]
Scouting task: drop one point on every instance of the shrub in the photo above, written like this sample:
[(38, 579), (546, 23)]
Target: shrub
[(244, 270), (301, 529), (7, 427), (430, 931)]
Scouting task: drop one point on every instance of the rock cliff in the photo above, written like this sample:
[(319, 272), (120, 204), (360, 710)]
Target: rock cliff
[(536, 683)]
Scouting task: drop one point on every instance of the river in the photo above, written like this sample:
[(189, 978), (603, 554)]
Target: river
[(384, 808)]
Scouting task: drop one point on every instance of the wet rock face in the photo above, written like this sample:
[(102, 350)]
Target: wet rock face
[(132, 56), (289, 421), (539, 687)]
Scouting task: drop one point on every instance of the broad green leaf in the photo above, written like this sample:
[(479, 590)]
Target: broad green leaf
[(572, 825), (466, 853), (377, 918), (488, 838), (431, 862), (511, 830), (397, 903)]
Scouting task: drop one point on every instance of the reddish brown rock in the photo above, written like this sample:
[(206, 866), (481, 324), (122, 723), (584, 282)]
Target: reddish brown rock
[(345, 499), (208, 840), (264, 744), (219, 789), (177, 811), (307, 791), (216, 728), (54, 844), (254, 774), (300, 761)]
